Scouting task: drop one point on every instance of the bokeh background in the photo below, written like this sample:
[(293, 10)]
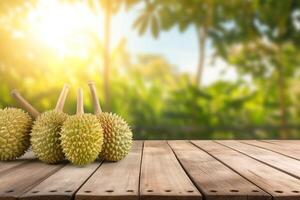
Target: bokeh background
[(188, 69)]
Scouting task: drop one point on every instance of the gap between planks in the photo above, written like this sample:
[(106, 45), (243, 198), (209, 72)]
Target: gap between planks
[(277, 183), (115, 180), (63, 184), (5, 166), (283, 150), (140, 171), (273, 159), (21, 179), (162, 176), (214, 179)]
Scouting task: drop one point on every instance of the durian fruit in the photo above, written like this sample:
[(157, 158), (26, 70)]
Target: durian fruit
[(15, 125), (117, 133), (81, 136), (45, 132)]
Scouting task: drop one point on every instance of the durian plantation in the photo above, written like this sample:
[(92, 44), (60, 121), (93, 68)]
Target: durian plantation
[(54, 155)]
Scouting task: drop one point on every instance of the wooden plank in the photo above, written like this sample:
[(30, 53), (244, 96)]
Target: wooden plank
[(284, 141), (8, 165), (214, 179), (278, 161), (63, 184), (20, 179), (279, 184), (162, 176), (115, 180), (289, 144), (287, 151), (29, 155)]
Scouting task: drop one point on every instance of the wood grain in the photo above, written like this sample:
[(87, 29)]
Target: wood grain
[(288, 144), (162, 177), (283, 142), (279, 184), (234, 170), (115, 180), (284, 150), (21, 179), (63, 184), (215, 180), (278, 161), (8, 165)]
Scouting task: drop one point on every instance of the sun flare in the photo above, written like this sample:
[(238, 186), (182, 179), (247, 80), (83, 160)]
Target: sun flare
[(64, 27)]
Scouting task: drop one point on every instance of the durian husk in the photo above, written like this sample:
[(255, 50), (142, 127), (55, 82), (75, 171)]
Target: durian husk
[(46, 132), (45, 136), (81, 139), (117, 133), (117, 137), (15, 127)]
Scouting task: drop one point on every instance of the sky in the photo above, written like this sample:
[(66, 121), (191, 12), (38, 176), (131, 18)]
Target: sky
[(180, 49), (60, 25)]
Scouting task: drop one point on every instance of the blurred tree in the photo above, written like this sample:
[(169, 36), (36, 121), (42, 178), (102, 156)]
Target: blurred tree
[(158, 101), (203, 15), (262, 40), (110, 8)]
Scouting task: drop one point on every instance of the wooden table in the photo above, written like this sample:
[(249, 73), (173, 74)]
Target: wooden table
[(181, 170)]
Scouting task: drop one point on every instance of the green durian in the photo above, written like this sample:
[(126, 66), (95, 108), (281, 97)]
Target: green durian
[(45, 136), (81, 139), (15, 127), (117, 133), (81, 136), (117, 137), (45, 132)]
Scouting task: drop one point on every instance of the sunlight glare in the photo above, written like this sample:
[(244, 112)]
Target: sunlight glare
[(64, 27)]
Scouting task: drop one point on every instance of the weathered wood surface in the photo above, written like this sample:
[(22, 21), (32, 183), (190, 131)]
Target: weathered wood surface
[(20, 179), (292, 151), (63, 184), (211, 170), (115, 180), (279, 184), (162, 177), (4, 166), (214, 179), (278, 161)]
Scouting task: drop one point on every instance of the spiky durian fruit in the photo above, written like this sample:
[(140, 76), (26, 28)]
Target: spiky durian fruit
[(45, 136), (45, 133), (117, 137), (81, 139), (15, 127), (117, 133)]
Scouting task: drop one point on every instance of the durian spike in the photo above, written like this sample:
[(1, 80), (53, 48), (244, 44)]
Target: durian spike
[(24, 104), (96, 104), (62, 98), (80, 109)]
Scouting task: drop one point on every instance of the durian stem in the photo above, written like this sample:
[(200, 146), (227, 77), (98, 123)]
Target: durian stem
[(62, 98), (96, 104), (80, 109), (24, 104)]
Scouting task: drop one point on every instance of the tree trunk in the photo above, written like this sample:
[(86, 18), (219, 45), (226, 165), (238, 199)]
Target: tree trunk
[(201, 34), (106, 54), (282, 102)]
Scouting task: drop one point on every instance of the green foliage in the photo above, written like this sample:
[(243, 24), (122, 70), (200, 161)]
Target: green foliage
[(259, 38)]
